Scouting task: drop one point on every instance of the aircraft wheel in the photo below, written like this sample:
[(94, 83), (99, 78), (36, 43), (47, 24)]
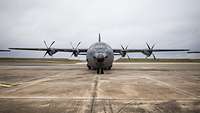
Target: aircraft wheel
[(98, 70), (89, 67), (102, 71)]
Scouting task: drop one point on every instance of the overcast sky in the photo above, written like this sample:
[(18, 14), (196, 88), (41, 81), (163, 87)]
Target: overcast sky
[(168, 23)]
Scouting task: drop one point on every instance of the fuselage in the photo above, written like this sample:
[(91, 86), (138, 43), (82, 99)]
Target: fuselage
[(99, 55)]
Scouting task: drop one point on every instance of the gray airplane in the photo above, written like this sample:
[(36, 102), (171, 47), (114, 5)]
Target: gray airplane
[(99, 56)]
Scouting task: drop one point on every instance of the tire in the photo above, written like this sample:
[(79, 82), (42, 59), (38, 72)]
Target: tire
[(102, 71), (98, 70), (89, 67)]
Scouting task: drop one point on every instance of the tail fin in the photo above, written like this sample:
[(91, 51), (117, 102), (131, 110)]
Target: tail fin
[(99, 37)]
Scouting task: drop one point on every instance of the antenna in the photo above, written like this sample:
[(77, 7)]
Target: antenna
[(99, 37)]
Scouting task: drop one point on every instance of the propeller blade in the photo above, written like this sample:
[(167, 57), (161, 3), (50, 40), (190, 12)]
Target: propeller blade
[(45, 54), (99, 37), (154, 57), (72, 54), (129, 58), (153, 46), (127, 47), (72, 45), (148, 45), (45, 43), (51, 44), (78, 44), (122, 47)]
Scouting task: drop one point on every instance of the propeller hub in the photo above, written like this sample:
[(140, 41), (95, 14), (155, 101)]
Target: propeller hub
[(149, 51), (49, 50), (124, 52), (75, 51)]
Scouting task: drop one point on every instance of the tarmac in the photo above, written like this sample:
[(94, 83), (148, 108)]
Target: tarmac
[(127, 88)]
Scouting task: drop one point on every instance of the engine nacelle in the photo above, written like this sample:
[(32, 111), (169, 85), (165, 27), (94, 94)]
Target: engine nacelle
[(123, 53), (147, 53), (51, 52), (76, 53)]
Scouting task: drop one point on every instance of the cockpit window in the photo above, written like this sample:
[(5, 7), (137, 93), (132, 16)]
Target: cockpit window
[(99, 46)]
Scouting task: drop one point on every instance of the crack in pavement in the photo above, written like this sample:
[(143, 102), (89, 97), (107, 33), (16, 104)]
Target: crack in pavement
[(181, 91), (94, 93), (30, 83)]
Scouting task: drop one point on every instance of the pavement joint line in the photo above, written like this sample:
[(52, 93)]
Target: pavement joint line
[(144, 101), (170, 86), (94, 93), (88, 98), (30, 83)]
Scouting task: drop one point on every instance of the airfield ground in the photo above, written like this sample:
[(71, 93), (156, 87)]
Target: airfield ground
[(27, 87)]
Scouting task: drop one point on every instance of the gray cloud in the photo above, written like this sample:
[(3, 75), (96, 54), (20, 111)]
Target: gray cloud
[(168, 23)]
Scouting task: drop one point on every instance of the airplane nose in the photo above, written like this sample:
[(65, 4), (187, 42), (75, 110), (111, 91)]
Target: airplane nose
[(100, 57)]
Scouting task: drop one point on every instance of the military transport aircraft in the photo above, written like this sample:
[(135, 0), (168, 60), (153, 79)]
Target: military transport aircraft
[(99, 56)]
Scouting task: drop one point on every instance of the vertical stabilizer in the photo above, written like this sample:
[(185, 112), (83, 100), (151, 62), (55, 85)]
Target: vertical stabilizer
[(99, 37)]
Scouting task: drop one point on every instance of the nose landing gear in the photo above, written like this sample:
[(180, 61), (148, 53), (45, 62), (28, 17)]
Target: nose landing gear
[(100, 71)]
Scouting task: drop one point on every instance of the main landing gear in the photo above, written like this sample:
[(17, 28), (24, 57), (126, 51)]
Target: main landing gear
[(89, 67)]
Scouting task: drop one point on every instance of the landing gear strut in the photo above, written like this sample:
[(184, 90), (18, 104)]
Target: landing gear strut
[(100, 71), (89, 67)]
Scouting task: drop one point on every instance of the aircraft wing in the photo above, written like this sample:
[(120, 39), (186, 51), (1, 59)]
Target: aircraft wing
[(4, 50), (71, 50), (45, 49), (142, 50), (193, 52), (32, 49), (168, 50)]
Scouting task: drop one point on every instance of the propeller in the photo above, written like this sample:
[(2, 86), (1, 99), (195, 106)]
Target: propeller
[(124, 52), (49, 51), (75, 51), (149, 52)]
